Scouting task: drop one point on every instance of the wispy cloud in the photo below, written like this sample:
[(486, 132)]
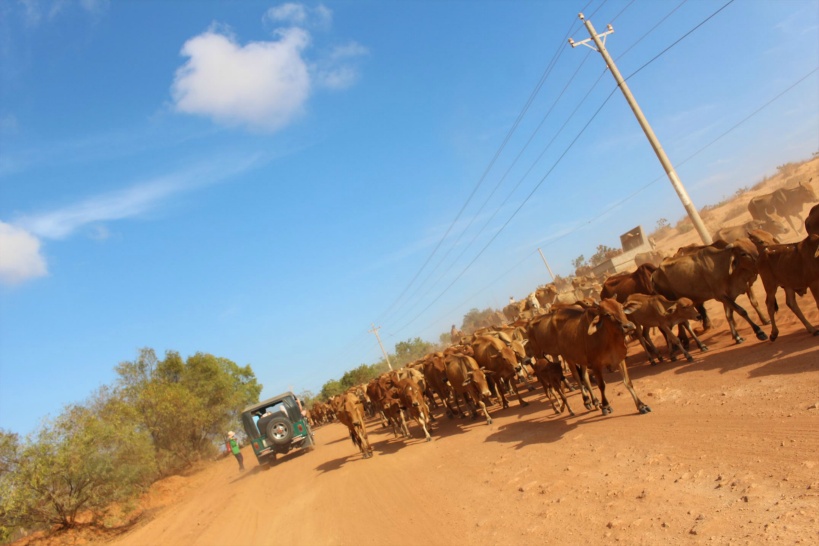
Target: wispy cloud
[(21, 255), (132, 201), (261, 85)]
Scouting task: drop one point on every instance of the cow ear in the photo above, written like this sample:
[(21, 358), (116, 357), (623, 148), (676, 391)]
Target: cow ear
[(593, 325), (731, 266), (671, 309)]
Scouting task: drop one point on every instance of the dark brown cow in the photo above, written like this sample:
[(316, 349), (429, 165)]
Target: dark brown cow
[(588, 338), (794, 267), (493, 355), (812, 221), (711, 273), (550, 375), (656, 311), (784, 202), (622, 285)]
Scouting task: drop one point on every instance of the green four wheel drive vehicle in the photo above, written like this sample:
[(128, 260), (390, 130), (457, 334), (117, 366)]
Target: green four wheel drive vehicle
[(276, 425)]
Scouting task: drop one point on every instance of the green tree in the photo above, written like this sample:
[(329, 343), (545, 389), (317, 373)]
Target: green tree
[(579, 262), (331, 388), (185, 405), (410, 350), (83, 461), (475, 319)]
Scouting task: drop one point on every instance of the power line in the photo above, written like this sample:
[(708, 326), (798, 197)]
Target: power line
[(558, 52)]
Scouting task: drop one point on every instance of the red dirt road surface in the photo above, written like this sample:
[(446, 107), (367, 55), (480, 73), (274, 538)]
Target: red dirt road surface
[(729, 454)]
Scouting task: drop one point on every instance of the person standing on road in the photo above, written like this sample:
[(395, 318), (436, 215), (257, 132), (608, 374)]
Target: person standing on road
[(233, 445)]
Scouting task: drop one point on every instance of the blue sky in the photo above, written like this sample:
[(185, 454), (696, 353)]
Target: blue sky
[(263, 181)]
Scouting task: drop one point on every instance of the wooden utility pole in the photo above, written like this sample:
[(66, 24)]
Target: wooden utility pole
[(652, 138), (386, 356), (549, 269)]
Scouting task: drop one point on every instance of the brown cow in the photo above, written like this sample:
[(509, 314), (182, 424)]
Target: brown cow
[(711, 273), (468, 380), (751, 245), (412, 400), (493, 355), (550, 375), (794, 267), (784, 202), (658, 312), (435, 374), (622, 285), (732, 233), (591, 337), (812, 221), (350, 412)]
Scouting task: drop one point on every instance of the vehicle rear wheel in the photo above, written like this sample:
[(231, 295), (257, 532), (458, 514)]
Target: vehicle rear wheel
[(280, 431)]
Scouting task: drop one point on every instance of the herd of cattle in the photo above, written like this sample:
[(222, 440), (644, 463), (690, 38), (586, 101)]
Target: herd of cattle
[(550, 333)]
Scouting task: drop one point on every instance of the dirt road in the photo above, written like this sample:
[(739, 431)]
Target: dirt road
[(730, 454)]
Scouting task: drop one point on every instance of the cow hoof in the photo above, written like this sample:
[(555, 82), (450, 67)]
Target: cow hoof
[(645, 409), (429, 439), (816, 333), (690, 358), (739, 340), (489, 421), (531, 389), (524, 404), (605, 409), (704, 349), (761, 336)]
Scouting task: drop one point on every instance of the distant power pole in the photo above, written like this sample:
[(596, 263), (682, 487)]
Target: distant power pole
[(375, 331), (669, 168), (549, 269)]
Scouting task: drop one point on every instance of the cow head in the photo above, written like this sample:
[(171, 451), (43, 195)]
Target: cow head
[(683, 308), (610, 309), (744, 255)]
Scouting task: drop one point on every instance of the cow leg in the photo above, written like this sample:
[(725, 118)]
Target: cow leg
[(755, 304), (480, 403), (770, 303), (404, 427), (700, 344), (577, 373), (514, 386), (648, 346), (565, 400), (673, 341), (641, 407), (729, 303), (593, 402), (605, 407), (790, 299)]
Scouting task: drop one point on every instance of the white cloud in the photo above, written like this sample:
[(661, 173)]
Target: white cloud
[(20, 257), (263, 85), (298, 15), (287, 13), (335, 72)]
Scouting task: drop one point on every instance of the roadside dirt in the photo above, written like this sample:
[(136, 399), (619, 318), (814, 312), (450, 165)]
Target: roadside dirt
[(729, 455)]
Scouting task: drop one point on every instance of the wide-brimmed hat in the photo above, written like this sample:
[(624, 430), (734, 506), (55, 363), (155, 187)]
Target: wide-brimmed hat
[(231, 434)]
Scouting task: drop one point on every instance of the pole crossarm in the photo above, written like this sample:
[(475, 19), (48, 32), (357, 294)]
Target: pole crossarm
[(587, 41)]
